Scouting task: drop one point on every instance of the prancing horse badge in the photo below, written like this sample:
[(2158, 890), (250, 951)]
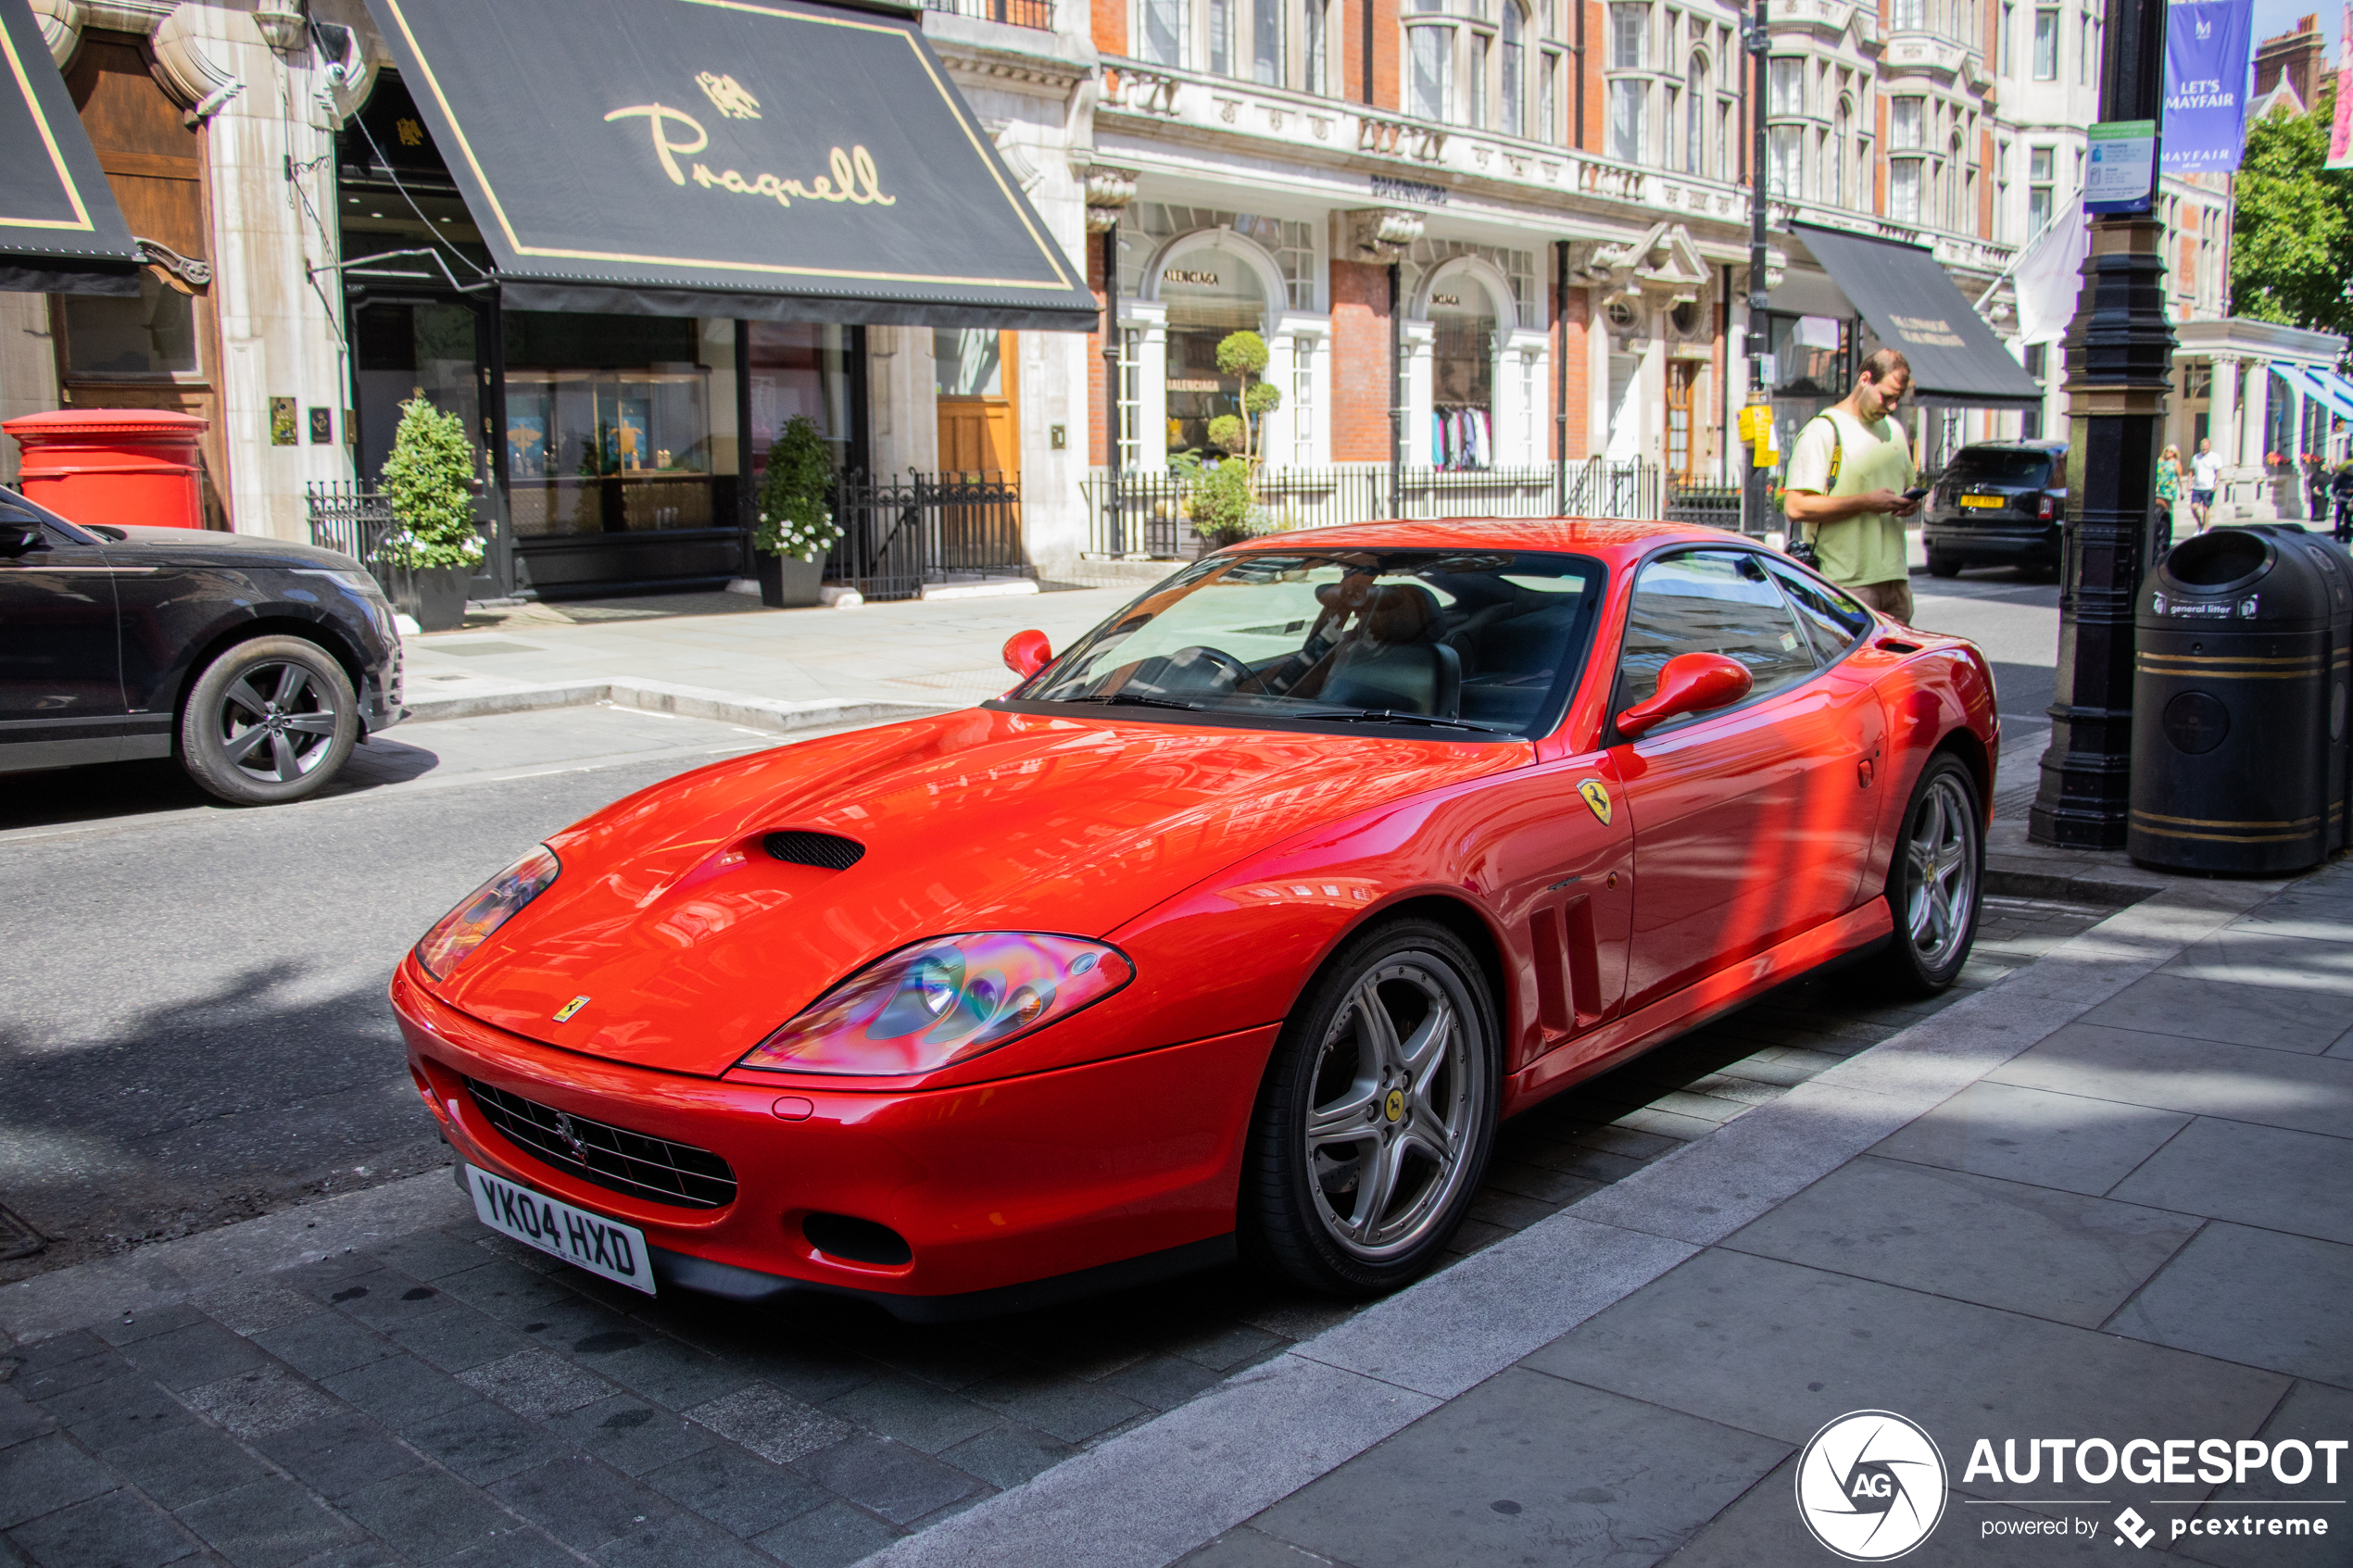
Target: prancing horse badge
[(563, 1013), (1596, 796)]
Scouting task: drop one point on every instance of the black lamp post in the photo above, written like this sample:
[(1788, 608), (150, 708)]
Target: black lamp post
[(2119, 354), (1753, 479)]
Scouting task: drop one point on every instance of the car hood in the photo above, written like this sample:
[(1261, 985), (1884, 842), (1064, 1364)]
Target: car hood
[(197, 546), (691, 943)]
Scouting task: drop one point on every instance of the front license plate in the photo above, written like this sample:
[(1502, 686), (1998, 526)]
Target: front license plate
[(1986, 501), (588, 1241)]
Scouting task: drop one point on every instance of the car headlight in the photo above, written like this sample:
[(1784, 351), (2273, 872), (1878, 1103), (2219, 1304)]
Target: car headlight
[(495, 902), (943, 1001)]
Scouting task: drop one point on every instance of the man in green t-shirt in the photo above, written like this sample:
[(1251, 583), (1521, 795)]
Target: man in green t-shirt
[(1846, 481)]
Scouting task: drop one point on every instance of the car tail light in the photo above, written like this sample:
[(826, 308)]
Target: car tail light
[(943, 1001), (495, 902), (2046, 507)]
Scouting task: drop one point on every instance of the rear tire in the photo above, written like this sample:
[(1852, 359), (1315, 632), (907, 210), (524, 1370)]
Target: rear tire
[(1935, 882), (1377, 1113), (1943, 566), (269, 721)]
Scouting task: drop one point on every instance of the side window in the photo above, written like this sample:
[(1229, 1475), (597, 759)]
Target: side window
[(1829, 617), (1709, 601)]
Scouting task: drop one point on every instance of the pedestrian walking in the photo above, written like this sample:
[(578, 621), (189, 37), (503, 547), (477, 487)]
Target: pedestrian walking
[(1851, 485), (2341, 488), (2316, 488), (2169, 492), (2206, 471)]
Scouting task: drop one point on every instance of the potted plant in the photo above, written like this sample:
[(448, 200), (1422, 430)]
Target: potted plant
[(796, 528), (434, 542), (1222, 495)]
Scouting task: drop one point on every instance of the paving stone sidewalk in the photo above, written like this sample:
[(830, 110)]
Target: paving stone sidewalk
[(450, 1397), (2142, 1226)]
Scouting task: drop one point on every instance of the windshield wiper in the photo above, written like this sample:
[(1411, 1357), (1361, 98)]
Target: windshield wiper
[(1397, 716), (1129, 700)]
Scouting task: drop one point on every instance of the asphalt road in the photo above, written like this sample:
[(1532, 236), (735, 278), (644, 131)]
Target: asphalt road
[(192, 1023), (193, 1026)]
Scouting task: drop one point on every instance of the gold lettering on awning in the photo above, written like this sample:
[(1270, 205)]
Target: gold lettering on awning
[(851, 176)]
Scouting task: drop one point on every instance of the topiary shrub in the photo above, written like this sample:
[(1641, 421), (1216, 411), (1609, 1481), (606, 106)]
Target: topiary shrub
[(429, 479), (795, 516)]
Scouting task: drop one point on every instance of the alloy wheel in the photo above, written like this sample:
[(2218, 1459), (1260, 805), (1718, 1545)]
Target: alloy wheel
[(1940, 881), (1395, 1107), (277, 721)]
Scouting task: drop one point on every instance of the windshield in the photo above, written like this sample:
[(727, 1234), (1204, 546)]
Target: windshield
[(1993, 465), (1449, 641)]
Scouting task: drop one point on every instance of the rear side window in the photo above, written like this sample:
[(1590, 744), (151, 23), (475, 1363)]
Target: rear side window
[(1831, 619), (1995, 464), (1710, 601)]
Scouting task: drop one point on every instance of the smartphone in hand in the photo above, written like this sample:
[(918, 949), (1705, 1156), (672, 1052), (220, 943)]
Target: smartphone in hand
[(1914, 493)]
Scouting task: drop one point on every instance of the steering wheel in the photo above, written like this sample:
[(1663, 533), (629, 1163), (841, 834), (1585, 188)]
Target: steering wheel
[(1227, 670)]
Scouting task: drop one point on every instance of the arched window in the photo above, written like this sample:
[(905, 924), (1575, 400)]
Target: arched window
[(1695, 116), (1210, 292), (1952, 184), (1511, 90), (1834, 182)]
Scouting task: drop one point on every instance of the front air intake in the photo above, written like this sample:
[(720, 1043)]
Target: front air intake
[(828, 851)]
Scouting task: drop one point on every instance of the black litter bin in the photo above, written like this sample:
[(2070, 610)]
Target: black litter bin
[(2239, 746)]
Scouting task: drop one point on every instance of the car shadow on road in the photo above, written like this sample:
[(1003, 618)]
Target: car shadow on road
[(111, 791)]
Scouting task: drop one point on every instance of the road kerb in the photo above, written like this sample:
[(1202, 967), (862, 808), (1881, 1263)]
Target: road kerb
[(663, 697)]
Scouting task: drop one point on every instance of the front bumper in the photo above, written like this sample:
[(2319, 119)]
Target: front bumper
[(381, 705), (1129, 1165)]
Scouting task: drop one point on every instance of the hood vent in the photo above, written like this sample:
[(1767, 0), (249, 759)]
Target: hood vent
[(830, 851)]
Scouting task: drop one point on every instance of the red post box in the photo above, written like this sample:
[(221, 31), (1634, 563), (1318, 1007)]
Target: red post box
[(132, 467)]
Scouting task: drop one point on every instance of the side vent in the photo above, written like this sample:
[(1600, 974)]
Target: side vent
[(830, 851)]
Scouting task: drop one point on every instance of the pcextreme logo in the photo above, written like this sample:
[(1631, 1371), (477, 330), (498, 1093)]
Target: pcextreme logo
[(1870, 1486)]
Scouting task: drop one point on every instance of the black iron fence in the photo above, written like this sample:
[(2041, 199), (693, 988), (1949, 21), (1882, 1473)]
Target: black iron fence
[(1710, 506), (355, 519), (1151, 516), (899, 535)]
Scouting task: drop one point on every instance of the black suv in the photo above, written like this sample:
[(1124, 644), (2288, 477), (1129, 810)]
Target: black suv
[(1999, 503), (258, 664)]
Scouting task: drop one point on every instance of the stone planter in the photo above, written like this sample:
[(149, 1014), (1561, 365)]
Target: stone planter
[(435, 597), (789, 582)]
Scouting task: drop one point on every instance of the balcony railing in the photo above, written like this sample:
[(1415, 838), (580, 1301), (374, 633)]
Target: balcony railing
[(1039, 14), (1153, 516)]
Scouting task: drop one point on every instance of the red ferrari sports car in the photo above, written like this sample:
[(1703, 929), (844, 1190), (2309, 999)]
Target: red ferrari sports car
[(1235, 927)]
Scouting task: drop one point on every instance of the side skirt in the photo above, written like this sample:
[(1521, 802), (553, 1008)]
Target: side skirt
[(1623, 1039)]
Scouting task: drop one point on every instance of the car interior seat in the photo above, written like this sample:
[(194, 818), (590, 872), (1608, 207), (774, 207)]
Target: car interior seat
[(1395, 659)]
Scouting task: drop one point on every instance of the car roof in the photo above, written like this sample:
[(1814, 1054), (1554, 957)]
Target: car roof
[(1608, 538), (2035, 445)]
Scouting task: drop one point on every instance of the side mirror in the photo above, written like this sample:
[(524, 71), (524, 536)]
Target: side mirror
[(19, 532), (1027, 652), (1690, 683)]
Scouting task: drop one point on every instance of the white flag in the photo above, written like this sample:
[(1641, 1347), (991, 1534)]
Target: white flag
[(2049, 275)]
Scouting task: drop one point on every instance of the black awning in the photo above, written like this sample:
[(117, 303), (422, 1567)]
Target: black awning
[(60, 230), (776, 161), (1913, 305)]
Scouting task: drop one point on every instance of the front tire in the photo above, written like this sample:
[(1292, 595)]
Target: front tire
[(1377, 1113), (268, 722), (1935, 882), (1942, 565)]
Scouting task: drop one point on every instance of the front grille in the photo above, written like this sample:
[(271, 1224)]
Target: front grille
[(636, 1164)]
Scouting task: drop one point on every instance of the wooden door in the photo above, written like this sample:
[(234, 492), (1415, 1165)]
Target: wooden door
[(1682, 378), (160, 350), (976, 393)]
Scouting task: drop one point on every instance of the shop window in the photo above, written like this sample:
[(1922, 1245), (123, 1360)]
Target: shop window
[(1808, 356), (405, 351), (798, 368), (1131, 397), (150, 335), (967, 362), (1208, 294), (1462, 375), (603, 440), (1292, 244)]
